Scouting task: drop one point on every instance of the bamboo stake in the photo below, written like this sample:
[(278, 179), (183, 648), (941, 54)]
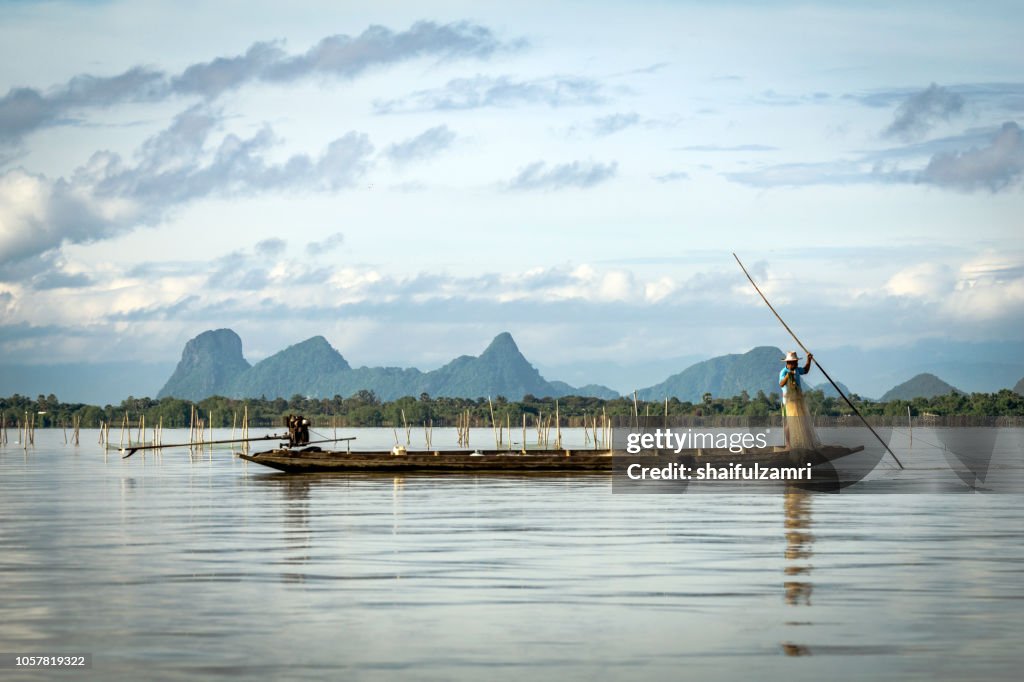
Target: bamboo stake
[(558, 429), (524, 433), (910, 426), (494, 425), (804, 348)]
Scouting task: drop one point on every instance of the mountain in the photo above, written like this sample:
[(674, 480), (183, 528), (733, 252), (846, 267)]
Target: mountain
[(1019, 388), (314, 368), (829, 390), (920, 386), (622, 374), (500, 370), (561, 388), (723, 376), (306, 368), (983, 367), (210, 363)]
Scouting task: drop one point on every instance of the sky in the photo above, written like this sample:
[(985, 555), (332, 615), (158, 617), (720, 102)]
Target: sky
[(410, 179)]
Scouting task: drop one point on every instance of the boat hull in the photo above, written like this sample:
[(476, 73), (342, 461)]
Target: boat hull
[(571, 461)]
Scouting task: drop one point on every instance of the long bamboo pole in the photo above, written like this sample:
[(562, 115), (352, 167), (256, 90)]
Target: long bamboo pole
[(494, 424), (804, 348)]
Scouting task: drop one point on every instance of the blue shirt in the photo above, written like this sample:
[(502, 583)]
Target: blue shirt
[(795, 379)]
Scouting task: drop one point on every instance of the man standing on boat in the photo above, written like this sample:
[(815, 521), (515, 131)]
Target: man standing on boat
[(797, 423)]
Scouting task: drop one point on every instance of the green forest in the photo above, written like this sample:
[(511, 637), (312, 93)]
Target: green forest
[(365, 409)]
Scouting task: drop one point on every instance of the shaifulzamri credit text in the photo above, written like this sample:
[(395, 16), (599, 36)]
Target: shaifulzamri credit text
[(708, 472)]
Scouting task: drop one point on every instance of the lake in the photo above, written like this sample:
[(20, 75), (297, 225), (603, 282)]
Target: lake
[(208, 567)]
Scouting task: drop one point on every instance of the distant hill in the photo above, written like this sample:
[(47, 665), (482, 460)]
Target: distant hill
[(306, 368), (314, 368), (723, 376), (829, 390), (1019, 388), (209, 365), (920, 386), (500, 370)]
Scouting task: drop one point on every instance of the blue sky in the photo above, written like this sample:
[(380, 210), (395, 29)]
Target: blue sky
[(410, 179)]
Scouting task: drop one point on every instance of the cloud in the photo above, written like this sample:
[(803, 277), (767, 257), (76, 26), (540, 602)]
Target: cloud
[(280, 300), (325, 245), (270, 247), (672, 176), (643, 70), (803, 174), (576, 174), (996, 165), (992, 167), (606, 125), (988, 287), (487, 91), (722, 148), (923, 280), (425, 145), (25, 109), (108, 196), (916, 115)]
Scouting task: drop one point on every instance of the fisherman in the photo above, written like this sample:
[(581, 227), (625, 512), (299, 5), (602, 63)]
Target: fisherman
[(797, 423)]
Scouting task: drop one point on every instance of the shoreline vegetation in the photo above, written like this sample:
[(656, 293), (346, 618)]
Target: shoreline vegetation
[(365, 409)]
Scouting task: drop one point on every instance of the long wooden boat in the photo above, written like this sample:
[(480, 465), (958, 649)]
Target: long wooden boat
[(315, 460)]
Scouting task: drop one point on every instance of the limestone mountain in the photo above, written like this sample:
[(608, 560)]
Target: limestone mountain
[(829, 390), (920, 386), (209, 364), (723, 376), (314, 368), (500, 370), (1019, 388), (306, 368)]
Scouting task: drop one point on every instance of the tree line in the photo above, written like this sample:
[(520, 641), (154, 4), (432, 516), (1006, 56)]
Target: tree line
[(366, 409)]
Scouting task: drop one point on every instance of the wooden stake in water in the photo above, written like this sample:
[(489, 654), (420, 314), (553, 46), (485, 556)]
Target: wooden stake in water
[(910, 426), (524, 433), (494, 425), (558, 429)]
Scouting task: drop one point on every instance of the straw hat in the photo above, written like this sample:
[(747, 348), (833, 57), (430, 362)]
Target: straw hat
[(791, 355)]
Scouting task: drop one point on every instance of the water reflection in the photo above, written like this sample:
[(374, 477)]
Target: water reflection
[(297, 534), (799, 539)]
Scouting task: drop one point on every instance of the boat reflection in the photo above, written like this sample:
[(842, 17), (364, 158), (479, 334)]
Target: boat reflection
[(297, 533), (799, 539)]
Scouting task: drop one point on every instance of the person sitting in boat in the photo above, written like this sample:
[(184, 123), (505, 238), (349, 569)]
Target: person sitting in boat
[(798, 426)]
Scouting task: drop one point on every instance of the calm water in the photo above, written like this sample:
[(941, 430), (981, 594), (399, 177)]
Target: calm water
[(212, 568)]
